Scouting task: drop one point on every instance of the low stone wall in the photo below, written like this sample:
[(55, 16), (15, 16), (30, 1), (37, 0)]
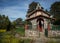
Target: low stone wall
[(31, 33), (53, 33)]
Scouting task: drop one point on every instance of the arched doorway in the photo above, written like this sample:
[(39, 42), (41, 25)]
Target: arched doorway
[(40, 22)]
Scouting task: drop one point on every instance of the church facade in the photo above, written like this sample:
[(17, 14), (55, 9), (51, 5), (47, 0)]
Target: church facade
[(40, 20)]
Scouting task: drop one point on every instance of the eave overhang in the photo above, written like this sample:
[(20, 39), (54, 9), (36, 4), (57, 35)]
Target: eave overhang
[(39, 16)]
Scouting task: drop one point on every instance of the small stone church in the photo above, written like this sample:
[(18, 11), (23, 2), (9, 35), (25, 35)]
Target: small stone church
[(40, 20)]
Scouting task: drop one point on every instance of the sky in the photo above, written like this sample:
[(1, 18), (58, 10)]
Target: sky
[(18, 8)]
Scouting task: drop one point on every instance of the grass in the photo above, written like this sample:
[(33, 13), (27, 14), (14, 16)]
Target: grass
[(53, 41), (9, 38), (55, 37), (21, 31), (27, 41), (2, 30)]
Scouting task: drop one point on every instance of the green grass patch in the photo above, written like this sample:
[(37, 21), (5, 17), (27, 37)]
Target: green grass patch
[(20, 30), (8, 38), (27, 41)]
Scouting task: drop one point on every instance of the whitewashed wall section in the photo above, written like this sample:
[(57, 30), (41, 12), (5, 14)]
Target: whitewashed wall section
[(34, 23)]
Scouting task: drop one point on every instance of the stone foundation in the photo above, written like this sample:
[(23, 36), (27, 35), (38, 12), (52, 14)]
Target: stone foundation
[(34, 34), (31, 33), (53, 33)]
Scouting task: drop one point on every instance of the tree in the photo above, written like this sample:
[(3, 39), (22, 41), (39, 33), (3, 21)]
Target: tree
[(46, 11), (8, 24), (32, 7), (57, 22), (18, 22), (4, 22), (27, 22), (55, 11)]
